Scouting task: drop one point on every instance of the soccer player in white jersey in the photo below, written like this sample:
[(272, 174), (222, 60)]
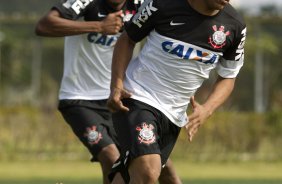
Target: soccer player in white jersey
[(91, 28), (150, 94)]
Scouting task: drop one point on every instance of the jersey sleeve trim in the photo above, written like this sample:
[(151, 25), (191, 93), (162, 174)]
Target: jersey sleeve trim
[(228, 68)]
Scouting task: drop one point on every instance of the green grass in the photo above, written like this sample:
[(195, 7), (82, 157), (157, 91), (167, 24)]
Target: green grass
[(95, 181), (74, 172)]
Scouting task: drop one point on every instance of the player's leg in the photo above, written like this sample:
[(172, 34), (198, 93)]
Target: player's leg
[(168, 174), (137, 134), (107, 157), (90, 125), (145, 141), (139, 167), (109, 154), (145, 169)]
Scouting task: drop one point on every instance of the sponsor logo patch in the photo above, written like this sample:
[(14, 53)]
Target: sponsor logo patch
[(77, 5), (146, 134), (147, 11), (240, 49), (100, 39), (189, 52)]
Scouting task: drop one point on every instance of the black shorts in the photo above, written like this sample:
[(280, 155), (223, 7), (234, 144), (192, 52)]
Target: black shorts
[(91, 122), (143, 130)]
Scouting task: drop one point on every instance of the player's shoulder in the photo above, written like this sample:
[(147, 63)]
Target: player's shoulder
[(232, 13)]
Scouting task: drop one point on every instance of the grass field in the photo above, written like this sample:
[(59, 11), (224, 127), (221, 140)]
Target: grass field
[(74, 172)]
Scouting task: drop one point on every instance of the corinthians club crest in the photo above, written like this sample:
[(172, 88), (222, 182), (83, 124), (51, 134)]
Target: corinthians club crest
[(127, 15), (218, 39), (146, 133), (93, 135)]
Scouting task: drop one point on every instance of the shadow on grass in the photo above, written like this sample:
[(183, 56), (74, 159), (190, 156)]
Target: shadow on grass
[(195, 181)]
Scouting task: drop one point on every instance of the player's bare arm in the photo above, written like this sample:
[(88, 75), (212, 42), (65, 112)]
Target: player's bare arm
[(54, 25), (125, 46), (222, 90)]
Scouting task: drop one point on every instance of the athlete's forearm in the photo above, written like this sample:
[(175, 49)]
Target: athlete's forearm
[(54, 25), (122, 54), (221, 91)]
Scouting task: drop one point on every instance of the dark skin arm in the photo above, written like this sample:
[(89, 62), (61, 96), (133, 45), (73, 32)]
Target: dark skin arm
[(121, 58), (221, 91), (53, 25)]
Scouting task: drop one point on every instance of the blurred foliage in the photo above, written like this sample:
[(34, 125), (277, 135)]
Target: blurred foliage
[(30, 74), (33, 133), (33, 65), (26, 6), (234, 136), (263, 38), (29, 133)]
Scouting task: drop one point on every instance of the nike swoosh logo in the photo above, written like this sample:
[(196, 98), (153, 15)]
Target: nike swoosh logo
[(101, 15), (176, 23)]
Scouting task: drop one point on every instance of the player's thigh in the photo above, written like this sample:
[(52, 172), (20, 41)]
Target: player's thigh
[(137, 130), (108, 155), (90, 127), (146, 167)]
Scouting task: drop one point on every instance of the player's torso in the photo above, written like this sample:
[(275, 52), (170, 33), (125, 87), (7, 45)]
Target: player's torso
[(185, 42), (179, 21), (182, 48), (88, 56)]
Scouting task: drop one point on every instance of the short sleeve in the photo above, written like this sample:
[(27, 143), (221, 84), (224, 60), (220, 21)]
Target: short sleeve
[(144, 21), (73, 9), (233, 59)]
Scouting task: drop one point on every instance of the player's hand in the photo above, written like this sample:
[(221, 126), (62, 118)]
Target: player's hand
[(112, 23), (199, 115), (114, 102)]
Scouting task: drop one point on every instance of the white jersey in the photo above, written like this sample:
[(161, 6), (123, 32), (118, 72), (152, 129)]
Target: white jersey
[(88, 57), (163, 84), (87, 72), (182, 48)]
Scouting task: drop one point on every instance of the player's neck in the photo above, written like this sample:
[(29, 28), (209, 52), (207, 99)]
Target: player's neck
[(201, 7)]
